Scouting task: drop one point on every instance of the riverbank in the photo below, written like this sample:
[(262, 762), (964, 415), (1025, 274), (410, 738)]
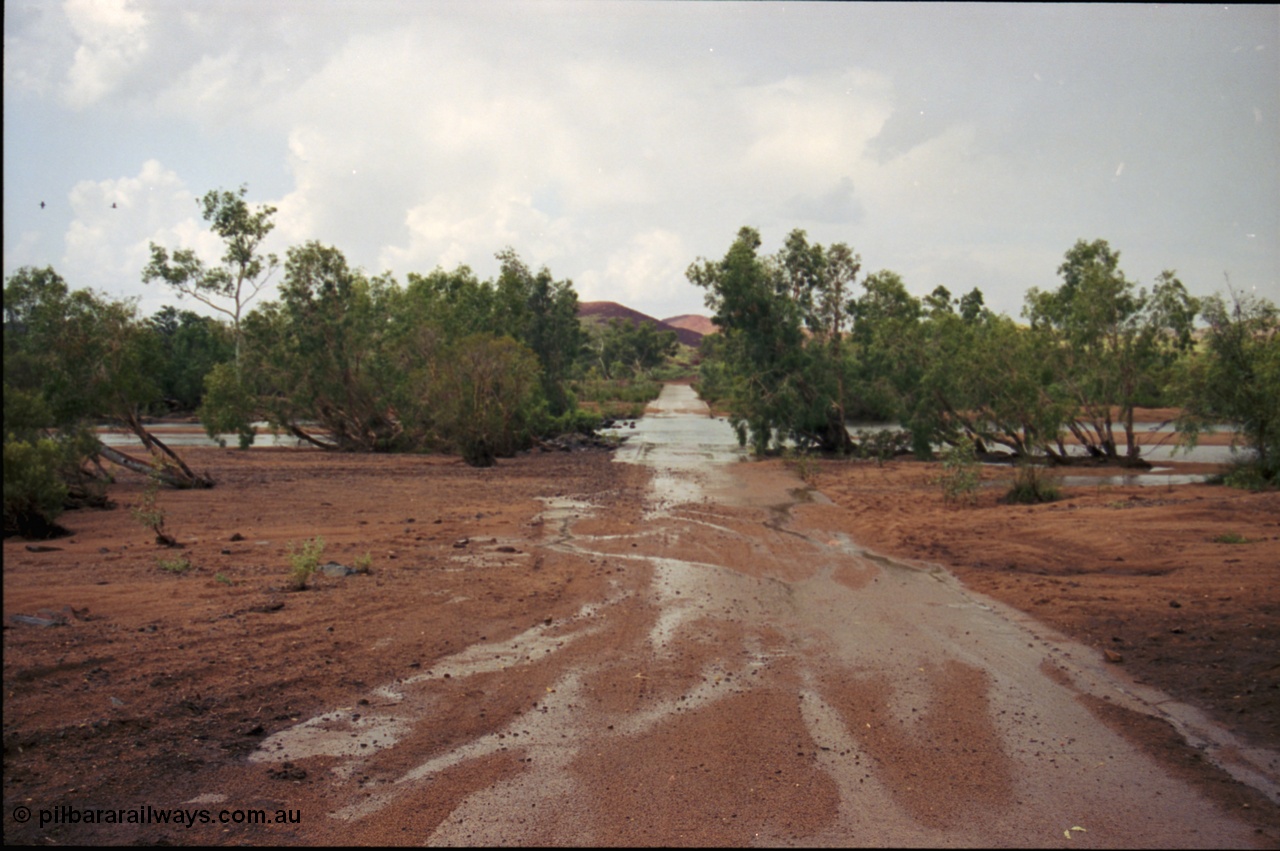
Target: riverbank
[(130, 678)]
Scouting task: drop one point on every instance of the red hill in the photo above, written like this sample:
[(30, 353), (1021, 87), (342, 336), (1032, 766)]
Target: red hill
[(603, 311), (693, 322)]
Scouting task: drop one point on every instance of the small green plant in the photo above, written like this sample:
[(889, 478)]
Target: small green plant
[(804, 465), (1230, 538), (961, 476), (176, 566), (1032, 484), (151, 515), (882, 444), (304, 562), (364, 563), (222, 579)]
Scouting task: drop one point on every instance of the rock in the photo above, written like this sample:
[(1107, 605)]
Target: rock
[(32, 620), (287, 771), (333, 568), (460, 543), (1113, 656)]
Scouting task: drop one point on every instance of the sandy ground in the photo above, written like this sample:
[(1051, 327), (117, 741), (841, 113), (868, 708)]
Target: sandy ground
[(128, 685)]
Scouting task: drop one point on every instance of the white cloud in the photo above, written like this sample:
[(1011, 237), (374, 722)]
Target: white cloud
[(113, 38), (645, 273), (107, 243)]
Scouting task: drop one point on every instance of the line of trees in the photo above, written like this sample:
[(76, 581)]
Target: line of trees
[(341, 359), (806, 346)]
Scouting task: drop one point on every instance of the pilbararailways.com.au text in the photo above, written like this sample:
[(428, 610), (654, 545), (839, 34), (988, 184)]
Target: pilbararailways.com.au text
[(148, 815)]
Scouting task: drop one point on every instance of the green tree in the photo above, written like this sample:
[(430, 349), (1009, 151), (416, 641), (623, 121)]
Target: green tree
[(189, 347), (318, 355), (781, 321), (1235, 378), (74, 359), (1114, 339), (542, 313), (244, 270), (625, 349), (487, 397)]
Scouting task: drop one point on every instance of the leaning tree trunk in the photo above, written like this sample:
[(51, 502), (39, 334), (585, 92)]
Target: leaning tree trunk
[(179, 477)]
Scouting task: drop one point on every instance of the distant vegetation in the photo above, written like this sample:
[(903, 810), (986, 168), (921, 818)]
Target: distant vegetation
[(446, 362), (807, 344)]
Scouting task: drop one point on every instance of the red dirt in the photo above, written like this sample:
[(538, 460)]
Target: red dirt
[(154, 686)]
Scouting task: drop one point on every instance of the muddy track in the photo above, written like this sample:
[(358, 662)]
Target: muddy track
[(747, 677)]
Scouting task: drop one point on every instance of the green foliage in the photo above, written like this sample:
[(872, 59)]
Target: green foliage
[(1235, 378), (622, 350), (1230, 538), (34, 488), (446, 363), (230, 287), (1032, 483), (188, 347), (619, 398), (177, 566), (364, 563), (779, 382), (73, 359), (150, 515), (961, 475), (882, 444), (228, 405), (1114, 342), (304, 562), (488, 397)]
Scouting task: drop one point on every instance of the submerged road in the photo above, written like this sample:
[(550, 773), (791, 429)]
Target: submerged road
[(755, 678)]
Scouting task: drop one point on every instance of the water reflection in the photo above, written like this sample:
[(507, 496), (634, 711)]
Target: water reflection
[(192, 434)]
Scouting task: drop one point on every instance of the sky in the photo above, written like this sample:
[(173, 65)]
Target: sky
[(615, 143)]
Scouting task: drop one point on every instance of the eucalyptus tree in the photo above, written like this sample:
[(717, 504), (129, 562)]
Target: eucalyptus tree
[(318, 356), (74, 359), (782, 323), (1234, 378), (244, 270), (1113, 339), (542, 313)]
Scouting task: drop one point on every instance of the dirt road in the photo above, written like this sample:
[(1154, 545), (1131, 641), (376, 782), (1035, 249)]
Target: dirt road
[(747, 677)]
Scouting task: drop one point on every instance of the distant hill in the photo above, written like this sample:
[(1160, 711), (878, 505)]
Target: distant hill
[(603, 311), (693, 322)]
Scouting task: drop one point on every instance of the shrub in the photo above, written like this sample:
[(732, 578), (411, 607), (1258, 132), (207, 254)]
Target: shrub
[(304, 562), (151, 515), (34, 490), (961, 475), (1032, 484), (176, 566)]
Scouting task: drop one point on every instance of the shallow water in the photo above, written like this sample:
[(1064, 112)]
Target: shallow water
[(193, 434)]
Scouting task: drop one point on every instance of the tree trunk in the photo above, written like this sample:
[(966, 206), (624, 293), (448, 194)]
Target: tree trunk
[(178, 473), (164, 474)]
